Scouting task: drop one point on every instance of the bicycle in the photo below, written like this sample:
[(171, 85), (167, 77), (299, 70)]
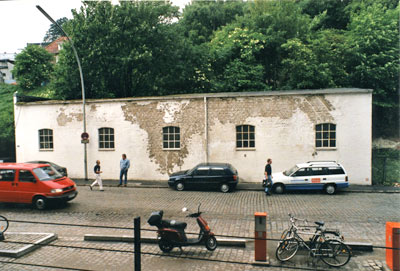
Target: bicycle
[(329, 233), (3, 226), (331, 251)]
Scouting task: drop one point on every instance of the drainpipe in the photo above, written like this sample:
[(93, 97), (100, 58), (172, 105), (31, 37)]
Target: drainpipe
[(206, 129)]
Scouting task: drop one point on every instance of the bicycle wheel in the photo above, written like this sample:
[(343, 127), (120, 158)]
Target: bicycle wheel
[(287, 249), (3, 224), (335, 253)]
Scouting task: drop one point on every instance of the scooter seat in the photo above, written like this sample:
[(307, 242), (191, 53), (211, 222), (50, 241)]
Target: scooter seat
[(173, 224)]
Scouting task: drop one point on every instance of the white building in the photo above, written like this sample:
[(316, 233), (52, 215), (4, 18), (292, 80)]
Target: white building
[(161, 135), (6, 67)]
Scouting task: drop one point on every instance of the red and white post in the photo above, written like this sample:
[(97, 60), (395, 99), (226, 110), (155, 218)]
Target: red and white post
[(393, 241), (260, 243)]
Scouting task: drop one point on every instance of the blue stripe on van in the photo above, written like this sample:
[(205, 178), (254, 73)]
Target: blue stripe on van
[(314, 186)]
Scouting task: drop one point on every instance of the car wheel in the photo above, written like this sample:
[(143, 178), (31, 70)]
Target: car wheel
[(330, 189), (40, 203), (279, 188), (180, 186), (224, 188)]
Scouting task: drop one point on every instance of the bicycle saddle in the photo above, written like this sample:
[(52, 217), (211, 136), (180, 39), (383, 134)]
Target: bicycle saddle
[(320, 223)]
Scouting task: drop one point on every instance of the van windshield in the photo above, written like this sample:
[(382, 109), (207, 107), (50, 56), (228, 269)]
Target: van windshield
[(290, 171), (47, 173)]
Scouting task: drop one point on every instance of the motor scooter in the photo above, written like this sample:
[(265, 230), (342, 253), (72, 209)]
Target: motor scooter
[(171, 233)]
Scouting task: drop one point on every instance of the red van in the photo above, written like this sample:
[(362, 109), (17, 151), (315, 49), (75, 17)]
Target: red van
[(34, 183)]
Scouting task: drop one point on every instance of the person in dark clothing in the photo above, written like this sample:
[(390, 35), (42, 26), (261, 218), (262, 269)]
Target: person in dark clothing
[(98, 177), (268, 176)]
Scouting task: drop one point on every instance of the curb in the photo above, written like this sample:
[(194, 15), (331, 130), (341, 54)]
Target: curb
[(358, 246), (243, 187), (26, 248), (227, 242)]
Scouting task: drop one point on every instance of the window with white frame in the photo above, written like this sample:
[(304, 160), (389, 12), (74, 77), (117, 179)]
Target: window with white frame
[(171, 137), (325, 135), (46, 139), (245, 137), (106, 138)]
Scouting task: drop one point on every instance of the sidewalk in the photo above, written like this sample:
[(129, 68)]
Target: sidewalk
[(241, 186)]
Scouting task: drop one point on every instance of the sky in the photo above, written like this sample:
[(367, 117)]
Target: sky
[(23, 23)]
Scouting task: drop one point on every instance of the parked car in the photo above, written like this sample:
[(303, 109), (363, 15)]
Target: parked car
[(62, 170), (34, 183), (313, 175), (222, 176)]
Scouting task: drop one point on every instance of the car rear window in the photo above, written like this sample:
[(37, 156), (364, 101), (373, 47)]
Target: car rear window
[(335, 171), (316, 171), (217, 171), (233, 169)]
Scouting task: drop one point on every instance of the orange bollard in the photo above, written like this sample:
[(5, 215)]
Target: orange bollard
[(393, 240), (260, 243)]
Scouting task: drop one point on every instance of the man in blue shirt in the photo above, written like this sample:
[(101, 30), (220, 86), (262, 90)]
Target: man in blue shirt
[(124, 164)]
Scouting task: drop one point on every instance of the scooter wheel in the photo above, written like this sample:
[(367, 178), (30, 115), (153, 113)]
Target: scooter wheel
[(211, 243), (165, 246)]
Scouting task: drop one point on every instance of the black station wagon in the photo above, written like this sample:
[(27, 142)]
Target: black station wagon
[(222, 176)]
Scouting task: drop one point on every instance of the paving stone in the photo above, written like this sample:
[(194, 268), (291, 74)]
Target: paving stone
[(359, 217)]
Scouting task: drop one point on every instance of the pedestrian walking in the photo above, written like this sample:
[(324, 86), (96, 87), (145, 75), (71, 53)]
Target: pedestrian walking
[(268, 177), (124, 165), (98, 180)]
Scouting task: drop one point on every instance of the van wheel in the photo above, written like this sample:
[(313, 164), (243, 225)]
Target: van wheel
[(224, 188), (279, 188), (330, 189), (40, 203)]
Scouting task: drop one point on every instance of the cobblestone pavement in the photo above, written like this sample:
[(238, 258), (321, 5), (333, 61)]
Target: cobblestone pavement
[(360, 217)]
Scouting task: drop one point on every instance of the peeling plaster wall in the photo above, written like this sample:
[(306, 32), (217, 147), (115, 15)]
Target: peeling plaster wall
[(285, 132), (284, 126)]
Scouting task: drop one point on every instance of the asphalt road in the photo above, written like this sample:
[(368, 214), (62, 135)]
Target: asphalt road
[(361, 217)]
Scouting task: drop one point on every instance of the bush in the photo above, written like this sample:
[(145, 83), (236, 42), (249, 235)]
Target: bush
[(385, 166)]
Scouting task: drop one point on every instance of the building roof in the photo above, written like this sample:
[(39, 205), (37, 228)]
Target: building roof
[(10, 57), (328, 91), (53, 47)]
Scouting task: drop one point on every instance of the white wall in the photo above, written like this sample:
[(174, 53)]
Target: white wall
[(284, 133)]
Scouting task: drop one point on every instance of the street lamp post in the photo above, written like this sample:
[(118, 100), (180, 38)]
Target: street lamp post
[(82, 83)]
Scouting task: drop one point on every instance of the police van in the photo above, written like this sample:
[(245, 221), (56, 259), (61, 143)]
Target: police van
[(328, 176)]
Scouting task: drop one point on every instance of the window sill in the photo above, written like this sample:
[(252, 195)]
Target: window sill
[(171, 149), (245, 149), (107, 149), (44, 150), (326, 149)]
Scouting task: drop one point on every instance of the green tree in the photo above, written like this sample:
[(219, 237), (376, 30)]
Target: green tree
[(334, 14), (33, 66), (373, 36), (131, 49), (234, 53), (54, 31), (7, 136), (202, 18), (318, 62), (278, 21)]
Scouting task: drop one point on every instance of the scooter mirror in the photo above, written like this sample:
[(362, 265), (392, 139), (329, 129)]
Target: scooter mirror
[(184, 209)]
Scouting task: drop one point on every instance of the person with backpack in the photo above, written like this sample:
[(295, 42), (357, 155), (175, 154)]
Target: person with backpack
[(267, 182)]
